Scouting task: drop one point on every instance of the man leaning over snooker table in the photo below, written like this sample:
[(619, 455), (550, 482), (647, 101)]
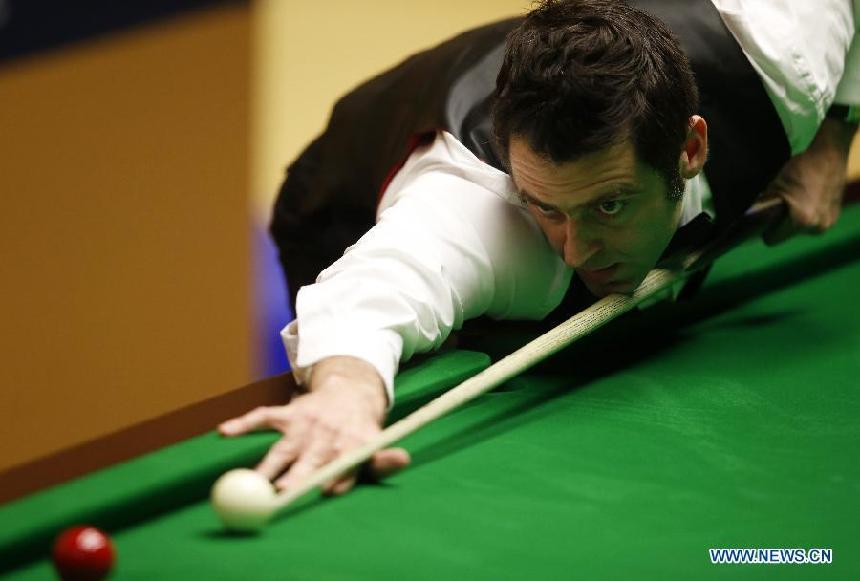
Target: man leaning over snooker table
[(584, 161)]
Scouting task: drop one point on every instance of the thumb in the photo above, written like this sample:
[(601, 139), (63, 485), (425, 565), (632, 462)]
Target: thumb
[(389, 461)]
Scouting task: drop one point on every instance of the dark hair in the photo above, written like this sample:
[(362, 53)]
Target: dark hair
[(581, 75)]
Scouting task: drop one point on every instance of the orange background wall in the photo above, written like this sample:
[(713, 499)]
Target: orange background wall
[(124, 246)]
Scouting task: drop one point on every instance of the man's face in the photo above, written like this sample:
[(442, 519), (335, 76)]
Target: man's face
[(607, 215)]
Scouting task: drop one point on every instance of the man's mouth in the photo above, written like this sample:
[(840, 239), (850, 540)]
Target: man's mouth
[(600, 276)]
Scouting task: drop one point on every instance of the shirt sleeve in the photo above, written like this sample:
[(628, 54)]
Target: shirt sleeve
[(799, 49), (448, 250)]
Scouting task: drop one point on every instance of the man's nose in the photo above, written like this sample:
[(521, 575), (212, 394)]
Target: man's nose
[(579, 244)]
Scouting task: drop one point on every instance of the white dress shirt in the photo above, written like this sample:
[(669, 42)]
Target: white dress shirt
[(452, 241)]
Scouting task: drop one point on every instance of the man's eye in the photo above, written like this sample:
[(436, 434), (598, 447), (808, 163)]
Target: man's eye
[(611, 207)]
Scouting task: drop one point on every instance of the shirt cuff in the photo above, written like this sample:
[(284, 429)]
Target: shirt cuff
[(380, 348)]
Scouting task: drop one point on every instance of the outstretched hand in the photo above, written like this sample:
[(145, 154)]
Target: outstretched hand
[(344, 408), (812, 184)]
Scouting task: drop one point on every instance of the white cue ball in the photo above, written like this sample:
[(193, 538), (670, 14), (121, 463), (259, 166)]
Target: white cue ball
[(243, 499)]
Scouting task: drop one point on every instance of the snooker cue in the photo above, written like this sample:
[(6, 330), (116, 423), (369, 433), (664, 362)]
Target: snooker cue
[(579, 325)]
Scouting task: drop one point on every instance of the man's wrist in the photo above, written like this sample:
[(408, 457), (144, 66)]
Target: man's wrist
[(353, 375)]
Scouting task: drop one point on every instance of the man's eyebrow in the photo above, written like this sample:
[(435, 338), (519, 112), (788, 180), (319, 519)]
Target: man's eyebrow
[(625, 189)]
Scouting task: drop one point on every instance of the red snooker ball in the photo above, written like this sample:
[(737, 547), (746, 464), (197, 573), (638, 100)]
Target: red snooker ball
[(83, 553)]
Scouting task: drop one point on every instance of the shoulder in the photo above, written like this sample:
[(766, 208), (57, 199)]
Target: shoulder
[(447, 168)]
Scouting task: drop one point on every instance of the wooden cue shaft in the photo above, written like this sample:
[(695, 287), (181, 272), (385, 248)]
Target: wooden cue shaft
[(554, 340)]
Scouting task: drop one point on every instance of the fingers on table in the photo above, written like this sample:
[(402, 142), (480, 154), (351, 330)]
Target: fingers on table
[(308, 444), (346, 481), (260, 418), (318, 448), (322, 450), (381, 465), (285, 451), (389, 461)]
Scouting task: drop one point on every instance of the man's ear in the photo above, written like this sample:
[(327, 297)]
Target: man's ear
[(695, 149)]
